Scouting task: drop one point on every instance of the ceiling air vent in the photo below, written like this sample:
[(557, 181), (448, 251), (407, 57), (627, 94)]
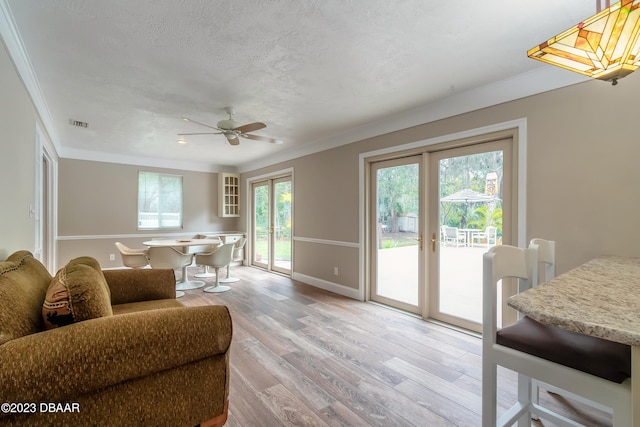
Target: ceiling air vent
[(78, 123)]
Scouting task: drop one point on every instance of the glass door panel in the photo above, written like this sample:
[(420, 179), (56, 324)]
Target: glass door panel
[(261, 236), (282, 225), (396, 276), (272, 224), (466, 219)]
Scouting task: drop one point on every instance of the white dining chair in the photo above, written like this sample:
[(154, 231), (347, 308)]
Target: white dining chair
[(236, 255), (169, 257), (133, 258), (546, 259), (203, 249), (595, 369), (546, 272), (219, 258)]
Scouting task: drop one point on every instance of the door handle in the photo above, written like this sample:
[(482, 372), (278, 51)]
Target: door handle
[(434, 241), (419, 239)]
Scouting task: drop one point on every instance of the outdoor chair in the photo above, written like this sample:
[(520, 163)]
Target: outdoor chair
[(487, 238), (596, 369), (454, 236)]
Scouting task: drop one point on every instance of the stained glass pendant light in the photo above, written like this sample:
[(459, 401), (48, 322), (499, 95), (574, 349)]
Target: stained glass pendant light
[(605, 46)]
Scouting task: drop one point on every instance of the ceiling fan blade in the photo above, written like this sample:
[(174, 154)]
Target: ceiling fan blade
[(261, 138), (250, 127), (232, 138), (186, 119), (200, 133)]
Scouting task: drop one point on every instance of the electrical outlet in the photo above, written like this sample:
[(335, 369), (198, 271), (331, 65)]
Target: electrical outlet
[(112, 257), (335, 271)]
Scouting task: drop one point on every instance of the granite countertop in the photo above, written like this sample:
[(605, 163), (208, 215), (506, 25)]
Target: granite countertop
[(599, 298)]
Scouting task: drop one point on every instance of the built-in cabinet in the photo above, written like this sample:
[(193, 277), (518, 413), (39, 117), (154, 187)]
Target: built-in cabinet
[(228, 195)]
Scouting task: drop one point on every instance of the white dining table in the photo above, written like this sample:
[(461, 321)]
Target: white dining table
[(600, 298), (184, 283)]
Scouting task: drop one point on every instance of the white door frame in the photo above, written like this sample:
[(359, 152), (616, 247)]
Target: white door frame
[(45, 206), (518, 129), (249, 204)]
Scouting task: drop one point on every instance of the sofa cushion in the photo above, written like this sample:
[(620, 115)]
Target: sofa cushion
[(78, 292), (134, 307), (140, 284), (23, 284)]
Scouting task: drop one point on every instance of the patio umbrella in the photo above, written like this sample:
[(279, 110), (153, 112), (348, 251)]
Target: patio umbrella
[(467, 196)]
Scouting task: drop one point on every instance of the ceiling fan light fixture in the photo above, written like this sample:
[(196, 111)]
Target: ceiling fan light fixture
[(182, 141), (232, 130), (230, 123), (605, 46)]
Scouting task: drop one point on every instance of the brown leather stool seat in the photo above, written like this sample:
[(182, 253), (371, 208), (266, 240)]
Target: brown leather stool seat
[(596, 356)]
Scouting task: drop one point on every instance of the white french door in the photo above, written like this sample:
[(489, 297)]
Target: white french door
[(479, 179), (272, 224), (415, 265)]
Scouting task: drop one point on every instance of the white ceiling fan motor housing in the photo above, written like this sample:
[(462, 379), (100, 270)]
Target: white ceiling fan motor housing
[(228, 124)]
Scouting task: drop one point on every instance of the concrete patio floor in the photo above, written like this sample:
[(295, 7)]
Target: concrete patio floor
[(460, 278)]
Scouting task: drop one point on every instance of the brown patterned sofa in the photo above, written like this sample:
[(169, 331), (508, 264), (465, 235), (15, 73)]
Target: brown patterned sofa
[(147, 361)]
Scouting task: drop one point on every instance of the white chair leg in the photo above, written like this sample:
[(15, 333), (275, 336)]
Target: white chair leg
[(229, 279), (524, 397), (204, 274), (217, 288), (535, 396), (489, 392)]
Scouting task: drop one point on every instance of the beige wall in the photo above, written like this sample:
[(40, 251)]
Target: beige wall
[(583, 179), (97, 206), (17, 160)]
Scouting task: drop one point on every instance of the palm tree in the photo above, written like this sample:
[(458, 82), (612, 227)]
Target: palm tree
[(486, 215)]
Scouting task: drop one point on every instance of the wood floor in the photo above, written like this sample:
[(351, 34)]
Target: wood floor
[(302, 356)]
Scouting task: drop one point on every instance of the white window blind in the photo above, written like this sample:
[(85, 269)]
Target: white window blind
[(159, 201)]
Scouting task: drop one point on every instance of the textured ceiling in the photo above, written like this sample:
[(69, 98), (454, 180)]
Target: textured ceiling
[(310, 70)]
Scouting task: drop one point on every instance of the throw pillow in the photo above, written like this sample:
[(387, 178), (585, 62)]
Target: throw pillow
[(78, 292)]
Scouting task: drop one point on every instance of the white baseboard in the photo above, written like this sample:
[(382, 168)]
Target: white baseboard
[(328, 286)]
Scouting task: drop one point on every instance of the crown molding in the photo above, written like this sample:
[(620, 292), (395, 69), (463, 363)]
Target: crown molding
[(154, 162), (15, 47)]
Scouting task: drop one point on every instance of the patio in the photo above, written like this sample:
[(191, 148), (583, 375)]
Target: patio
[(460, 278)]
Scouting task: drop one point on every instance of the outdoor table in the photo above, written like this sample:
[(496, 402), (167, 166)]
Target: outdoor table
[(468, 235)]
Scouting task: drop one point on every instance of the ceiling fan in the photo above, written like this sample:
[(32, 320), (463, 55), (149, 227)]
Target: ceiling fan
[(233, 130)]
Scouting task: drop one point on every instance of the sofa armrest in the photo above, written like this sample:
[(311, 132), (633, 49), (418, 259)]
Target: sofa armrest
[(134, 285), (62, 363)]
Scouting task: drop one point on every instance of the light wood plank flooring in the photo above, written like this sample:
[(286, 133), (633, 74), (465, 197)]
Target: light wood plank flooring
[(301, 356)]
